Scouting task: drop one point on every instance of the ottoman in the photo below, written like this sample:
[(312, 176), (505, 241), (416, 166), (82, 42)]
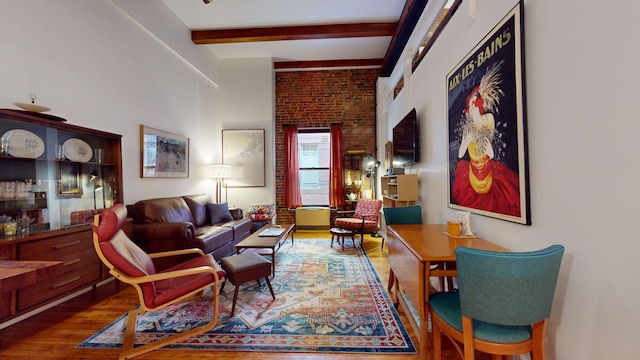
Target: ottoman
[(245, 267)]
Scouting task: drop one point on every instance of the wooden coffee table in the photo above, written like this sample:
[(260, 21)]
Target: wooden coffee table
[(269, 243)]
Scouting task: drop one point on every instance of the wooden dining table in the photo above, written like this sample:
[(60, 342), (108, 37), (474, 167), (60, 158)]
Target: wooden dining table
[(17, 274), (413, 248)]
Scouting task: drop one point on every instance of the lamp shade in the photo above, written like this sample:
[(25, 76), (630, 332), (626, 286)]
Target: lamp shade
[(220, 171)]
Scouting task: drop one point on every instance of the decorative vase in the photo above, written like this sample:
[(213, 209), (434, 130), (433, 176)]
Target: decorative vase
[(347, 179)]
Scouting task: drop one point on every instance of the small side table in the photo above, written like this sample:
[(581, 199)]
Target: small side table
[(339, 234), (257, 224)]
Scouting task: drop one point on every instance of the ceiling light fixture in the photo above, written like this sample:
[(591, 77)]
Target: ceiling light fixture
[(207, 1)]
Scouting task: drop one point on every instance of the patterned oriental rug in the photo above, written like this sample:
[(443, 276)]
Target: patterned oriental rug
[(327, 300)]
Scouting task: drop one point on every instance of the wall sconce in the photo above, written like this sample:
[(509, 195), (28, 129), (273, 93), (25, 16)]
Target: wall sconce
[(219, 172)]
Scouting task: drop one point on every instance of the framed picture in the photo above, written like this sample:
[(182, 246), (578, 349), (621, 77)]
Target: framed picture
[(488, 166), (244, 151), (163, 154), (388, 155), (69, 179)]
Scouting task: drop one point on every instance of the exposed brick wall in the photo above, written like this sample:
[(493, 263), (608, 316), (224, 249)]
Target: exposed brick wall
[(320, 98)]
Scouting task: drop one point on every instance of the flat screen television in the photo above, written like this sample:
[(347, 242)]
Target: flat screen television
[(406, 149)]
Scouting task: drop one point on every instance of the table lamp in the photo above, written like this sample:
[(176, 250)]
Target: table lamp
[(219, 172)]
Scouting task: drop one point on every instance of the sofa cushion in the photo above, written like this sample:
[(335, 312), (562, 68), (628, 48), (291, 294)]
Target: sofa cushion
[(219, 212), (198, 206), (241, 228), (209, 238), (172, 209)]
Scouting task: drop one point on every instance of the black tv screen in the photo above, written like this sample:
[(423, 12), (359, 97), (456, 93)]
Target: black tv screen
[(405, 141)]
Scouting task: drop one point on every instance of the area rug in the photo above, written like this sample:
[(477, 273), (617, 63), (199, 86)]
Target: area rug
[(327, 300)]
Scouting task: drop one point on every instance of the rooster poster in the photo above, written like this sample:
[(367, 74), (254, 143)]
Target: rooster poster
[(487, 126)]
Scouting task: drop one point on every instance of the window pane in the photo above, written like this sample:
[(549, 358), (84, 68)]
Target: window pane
[(314, 151), (314, 186)]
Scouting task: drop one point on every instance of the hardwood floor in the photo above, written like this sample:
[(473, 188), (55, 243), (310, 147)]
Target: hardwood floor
[(53, 334)]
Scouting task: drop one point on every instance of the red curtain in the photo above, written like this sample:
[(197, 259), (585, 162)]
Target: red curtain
[(336, 189), (292, 196)]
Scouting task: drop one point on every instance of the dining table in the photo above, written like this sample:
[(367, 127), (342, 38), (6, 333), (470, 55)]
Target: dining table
[(17, 274), (413, 248)]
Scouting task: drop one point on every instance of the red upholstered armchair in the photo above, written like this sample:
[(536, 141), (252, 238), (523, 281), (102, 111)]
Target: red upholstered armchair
[(156, 290), (364, 220)]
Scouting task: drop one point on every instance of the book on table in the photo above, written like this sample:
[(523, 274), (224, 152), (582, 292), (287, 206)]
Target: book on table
[(274, 231)]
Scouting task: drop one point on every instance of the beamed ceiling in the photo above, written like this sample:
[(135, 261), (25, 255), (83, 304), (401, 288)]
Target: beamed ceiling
[(304, 34)]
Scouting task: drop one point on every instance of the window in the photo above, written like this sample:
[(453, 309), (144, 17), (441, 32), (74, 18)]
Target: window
[(314, 147)]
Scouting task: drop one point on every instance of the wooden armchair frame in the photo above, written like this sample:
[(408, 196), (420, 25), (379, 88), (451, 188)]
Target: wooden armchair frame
[(128, 349)]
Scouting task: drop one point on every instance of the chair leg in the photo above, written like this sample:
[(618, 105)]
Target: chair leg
[(270, 288), (130, 332), (131, 352), (235, 298), (537, 339), (437, 341)]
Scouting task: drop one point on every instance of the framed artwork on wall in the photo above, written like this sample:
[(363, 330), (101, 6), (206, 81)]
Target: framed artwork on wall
[(244, 151), (69, 179), (488, 166), (163, 154), (388, 155)]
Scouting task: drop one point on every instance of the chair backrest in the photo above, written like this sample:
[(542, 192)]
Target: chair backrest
[(118, 252), (368, 206), (505, 288), (403, 215)]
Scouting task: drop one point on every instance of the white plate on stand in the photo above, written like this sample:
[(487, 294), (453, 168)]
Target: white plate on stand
[(77, 150), (23, 143)]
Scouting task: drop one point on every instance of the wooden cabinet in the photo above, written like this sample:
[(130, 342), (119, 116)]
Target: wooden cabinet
[(399, 190), (82, 266), (54, 177)]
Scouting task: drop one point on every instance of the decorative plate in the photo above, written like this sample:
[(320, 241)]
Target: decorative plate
[(77, 150), (32, 107), (23, 143)]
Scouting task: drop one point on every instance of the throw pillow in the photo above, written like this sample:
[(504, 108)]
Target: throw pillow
[(219, 212)]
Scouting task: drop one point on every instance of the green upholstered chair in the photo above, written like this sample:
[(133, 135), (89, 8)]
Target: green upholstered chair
[(502, 303), (403, 215)]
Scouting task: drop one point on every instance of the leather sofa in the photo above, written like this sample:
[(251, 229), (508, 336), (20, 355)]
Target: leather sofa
[(174, 223)]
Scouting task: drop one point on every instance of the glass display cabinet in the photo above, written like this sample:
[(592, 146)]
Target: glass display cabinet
[(54, 177)]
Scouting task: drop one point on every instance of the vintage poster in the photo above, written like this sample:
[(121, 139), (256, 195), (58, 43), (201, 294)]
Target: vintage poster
[(487, 126)]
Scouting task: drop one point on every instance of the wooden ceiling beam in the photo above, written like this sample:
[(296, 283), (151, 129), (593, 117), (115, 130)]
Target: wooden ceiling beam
[(316, 64), (408, 20), (281, 33)]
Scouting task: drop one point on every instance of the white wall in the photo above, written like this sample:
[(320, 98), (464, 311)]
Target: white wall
[(581, 84), (96, 66), (246, 101)]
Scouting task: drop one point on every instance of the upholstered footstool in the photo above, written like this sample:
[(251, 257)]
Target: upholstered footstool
[(339, 234), (245, 267)]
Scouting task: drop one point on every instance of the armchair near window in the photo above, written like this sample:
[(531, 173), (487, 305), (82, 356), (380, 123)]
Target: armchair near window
[(502, 305), (156, 290), (365, 218)]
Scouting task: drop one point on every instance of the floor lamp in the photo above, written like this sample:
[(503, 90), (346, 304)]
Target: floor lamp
[(372, 175), (219, 172)]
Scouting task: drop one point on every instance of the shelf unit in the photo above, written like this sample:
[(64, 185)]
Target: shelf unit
[(399, 190), (52, 201), (353, 176)]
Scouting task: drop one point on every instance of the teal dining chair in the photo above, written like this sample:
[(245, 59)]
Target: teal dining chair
[(502, 303), (403, 215)]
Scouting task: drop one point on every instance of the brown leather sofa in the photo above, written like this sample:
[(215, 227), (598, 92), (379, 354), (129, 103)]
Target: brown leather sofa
[(165, 224)]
